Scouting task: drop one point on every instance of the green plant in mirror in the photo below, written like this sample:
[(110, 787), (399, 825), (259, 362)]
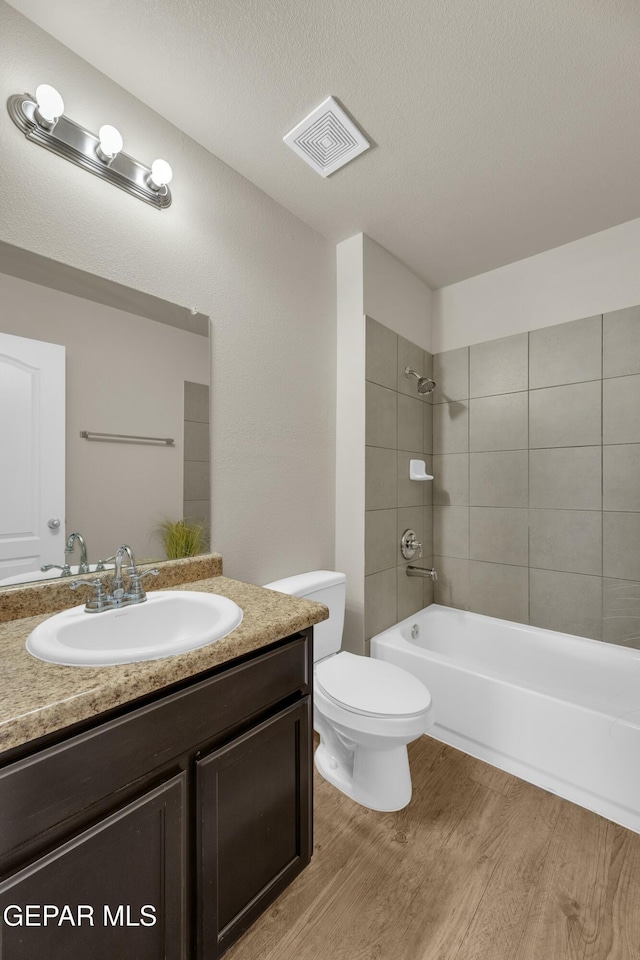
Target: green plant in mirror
[(183, 538)]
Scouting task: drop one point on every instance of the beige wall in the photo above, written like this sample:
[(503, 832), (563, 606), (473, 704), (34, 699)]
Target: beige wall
[(594, 275), (224, 247), (125, 374)]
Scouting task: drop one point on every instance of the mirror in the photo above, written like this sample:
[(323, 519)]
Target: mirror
[(135, 366)]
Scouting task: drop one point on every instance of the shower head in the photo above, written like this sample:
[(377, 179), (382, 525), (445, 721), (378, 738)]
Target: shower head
[(425, 384)]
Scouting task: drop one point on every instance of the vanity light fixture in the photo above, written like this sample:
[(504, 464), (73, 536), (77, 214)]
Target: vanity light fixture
[(42, 120)]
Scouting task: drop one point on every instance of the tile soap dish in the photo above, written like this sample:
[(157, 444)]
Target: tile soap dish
[(418, 470)]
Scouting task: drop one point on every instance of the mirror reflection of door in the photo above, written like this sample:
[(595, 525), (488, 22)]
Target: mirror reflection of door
[(32, 454)]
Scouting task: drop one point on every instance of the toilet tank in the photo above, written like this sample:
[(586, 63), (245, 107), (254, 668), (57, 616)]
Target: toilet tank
[(323, 586)]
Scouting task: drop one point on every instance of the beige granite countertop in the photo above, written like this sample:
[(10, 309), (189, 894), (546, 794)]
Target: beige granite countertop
[(39, 698)]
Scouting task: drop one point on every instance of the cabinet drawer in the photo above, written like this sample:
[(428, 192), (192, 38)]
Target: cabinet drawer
[(42, 791)]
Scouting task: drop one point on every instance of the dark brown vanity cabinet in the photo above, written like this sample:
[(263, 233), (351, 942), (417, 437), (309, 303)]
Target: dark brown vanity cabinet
[(162, 833)]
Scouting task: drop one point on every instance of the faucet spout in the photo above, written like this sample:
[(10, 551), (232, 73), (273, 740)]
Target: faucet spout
[(422, 572), (84, 564)]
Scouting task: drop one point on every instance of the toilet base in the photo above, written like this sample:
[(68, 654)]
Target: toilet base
[(377, 779)]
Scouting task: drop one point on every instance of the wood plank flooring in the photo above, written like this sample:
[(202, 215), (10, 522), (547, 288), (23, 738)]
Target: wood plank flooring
[(479, 866)]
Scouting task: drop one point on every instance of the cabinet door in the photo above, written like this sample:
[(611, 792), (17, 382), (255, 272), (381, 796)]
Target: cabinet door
[(121, 881), (255, 822)]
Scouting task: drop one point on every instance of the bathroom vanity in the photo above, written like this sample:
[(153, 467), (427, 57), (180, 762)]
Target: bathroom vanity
[(165, 823)]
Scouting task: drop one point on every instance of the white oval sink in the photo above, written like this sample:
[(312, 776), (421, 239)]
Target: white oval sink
[(168, 622)]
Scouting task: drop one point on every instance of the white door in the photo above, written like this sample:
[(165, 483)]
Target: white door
[(32, 454)]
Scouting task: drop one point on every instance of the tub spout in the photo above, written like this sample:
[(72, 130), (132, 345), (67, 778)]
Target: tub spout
[(431, 574)]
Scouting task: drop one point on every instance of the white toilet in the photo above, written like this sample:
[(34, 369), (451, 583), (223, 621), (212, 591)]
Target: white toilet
[(366, 711)]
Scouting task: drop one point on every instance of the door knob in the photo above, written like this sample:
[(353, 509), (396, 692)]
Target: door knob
[(54, 523)]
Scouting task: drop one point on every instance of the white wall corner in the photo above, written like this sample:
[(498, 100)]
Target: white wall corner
[(394, 296)]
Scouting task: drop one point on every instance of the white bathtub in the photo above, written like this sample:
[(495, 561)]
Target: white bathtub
[(559, 711)]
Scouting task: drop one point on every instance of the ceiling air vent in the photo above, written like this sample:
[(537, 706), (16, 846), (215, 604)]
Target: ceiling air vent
[(327, 138)]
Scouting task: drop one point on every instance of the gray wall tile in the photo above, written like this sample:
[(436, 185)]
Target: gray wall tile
[(450, 427), (197, 483), (568, 602), (398, 429), (428, 534), (568, 416), (499, 535), (451, 479), (409, 355), (566, 478), (499, 590), (379, 540), (621, 342), (411, 414), (566, 353), (567, 540), (621, 545), (451, 373), (428, 588), (427, 443), (451, 531), (197, 510), (427, 485), (411, 518), (621, 612), (621, 477), (380, 478), (499, 366), (380, 602), (196, 440), (535, 532), (428, 372), (381, 416), (499, 423), (196, 401), (411, 493), (452, 586), (498, 479), (621, 410), (381, 353), (410, 593)]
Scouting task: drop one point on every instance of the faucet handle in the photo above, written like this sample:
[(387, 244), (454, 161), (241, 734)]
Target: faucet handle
[(99, 600), (66, 569), (136, 593)]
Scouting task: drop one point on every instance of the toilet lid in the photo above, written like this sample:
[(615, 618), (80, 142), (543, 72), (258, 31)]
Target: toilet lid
[(366, 685)]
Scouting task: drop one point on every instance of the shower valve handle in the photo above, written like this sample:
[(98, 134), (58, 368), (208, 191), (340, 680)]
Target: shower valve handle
[(410, 545)]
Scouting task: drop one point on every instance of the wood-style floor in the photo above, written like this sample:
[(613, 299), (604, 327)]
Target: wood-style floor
[(479, 866)]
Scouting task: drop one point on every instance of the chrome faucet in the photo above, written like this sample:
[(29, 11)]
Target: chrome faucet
[(117, 596), (84, 564), (117, 587)]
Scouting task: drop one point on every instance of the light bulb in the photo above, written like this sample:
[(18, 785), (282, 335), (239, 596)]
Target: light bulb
[(50, 105), (110, 143), (110, 140), (161, 174)]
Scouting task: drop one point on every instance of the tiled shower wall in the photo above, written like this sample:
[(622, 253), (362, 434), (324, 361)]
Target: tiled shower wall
[(197, 453), (536, 458), (398, 428)]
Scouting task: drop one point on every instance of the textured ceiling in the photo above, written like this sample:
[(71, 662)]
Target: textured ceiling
[(501, 128)]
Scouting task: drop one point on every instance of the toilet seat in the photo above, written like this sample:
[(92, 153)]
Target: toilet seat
[(371, 688)]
